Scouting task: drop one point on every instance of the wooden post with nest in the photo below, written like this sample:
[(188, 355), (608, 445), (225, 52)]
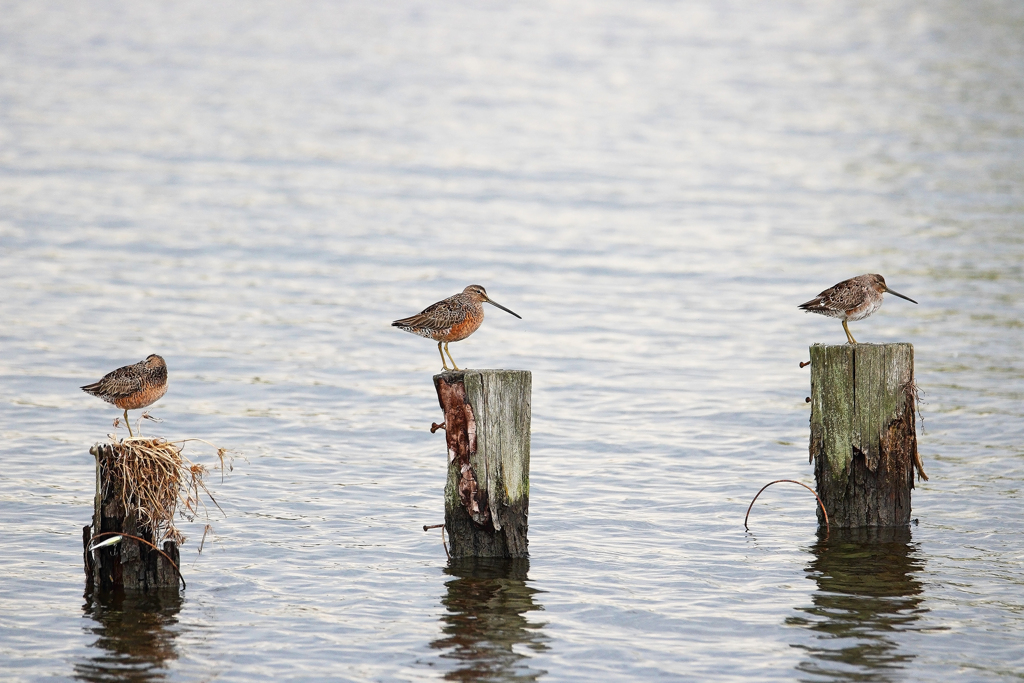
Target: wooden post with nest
[(142, 484), (120, 546), (863, 433), (487, 428)]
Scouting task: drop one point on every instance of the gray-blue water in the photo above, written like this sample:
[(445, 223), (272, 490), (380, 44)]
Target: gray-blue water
[(256, 190)]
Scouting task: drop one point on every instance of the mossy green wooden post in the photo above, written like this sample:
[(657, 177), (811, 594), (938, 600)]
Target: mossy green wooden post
[(863, 433), (487, 429)]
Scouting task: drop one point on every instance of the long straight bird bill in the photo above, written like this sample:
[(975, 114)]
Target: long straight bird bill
[(900, 295), (495, 303)]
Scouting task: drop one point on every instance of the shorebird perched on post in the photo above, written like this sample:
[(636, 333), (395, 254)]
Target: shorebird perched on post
[(853, 299), (133, 386), (451, 320)]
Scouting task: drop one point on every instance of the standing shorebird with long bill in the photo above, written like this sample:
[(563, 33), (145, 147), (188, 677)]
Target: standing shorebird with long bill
[(133, 386), (853, 299), (451, 320)]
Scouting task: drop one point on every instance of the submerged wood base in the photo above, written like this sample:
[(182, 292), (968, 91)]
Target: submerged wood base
[(487, 429), (128, 564), (863, 433)]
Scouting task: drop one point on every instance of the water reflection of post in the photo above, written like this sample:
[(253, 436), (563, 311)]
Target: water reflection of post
[(135, 635), (867, 593), (487, 602)]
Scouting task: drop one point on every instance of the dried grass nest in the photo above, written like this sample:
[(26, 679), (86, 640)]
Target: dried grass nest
[(153, 481)]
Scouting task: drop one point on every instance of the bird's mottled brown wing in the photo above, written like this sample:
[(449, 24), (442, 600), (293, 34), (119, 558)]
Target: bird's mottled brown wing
[(119, 383), (837, 299), (439, 316)]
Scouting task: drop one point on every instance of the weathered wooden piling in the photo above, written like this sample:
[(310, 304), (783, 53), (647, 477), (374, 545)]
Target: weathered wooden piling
[(487, 429), (128, 564), (863, 432)]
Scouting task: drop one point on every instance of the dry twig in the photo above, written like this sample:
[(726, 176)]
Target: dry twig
[(791, 481)]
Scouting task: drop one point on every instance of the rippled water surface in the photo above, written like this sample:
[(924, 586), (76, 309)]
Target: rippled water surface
[(255, 190)]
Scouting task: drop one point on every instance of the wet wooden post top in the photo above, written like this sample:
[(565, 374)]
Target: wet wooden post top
[(487, 429), (863, 432)]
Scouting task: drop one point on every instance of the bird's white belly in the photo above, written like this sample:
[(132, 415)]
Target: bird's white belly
[(865, 310)]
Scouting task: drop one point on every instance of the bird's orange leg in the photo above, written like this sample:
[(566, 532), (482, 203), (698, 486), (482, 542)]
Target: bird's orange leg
[(450, 357), (849, 337)]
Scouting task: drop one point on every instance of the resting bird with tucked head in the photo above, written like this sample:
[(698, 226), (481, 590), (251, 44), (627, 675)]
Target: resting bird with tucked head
[(133, 386), (451, 320), (853, 299)]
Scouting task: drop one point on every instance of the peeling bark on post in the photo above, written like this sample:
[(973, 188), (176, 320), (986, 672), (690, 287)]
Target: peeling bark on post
[(128, 564), (863, 434), (487, 429)]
